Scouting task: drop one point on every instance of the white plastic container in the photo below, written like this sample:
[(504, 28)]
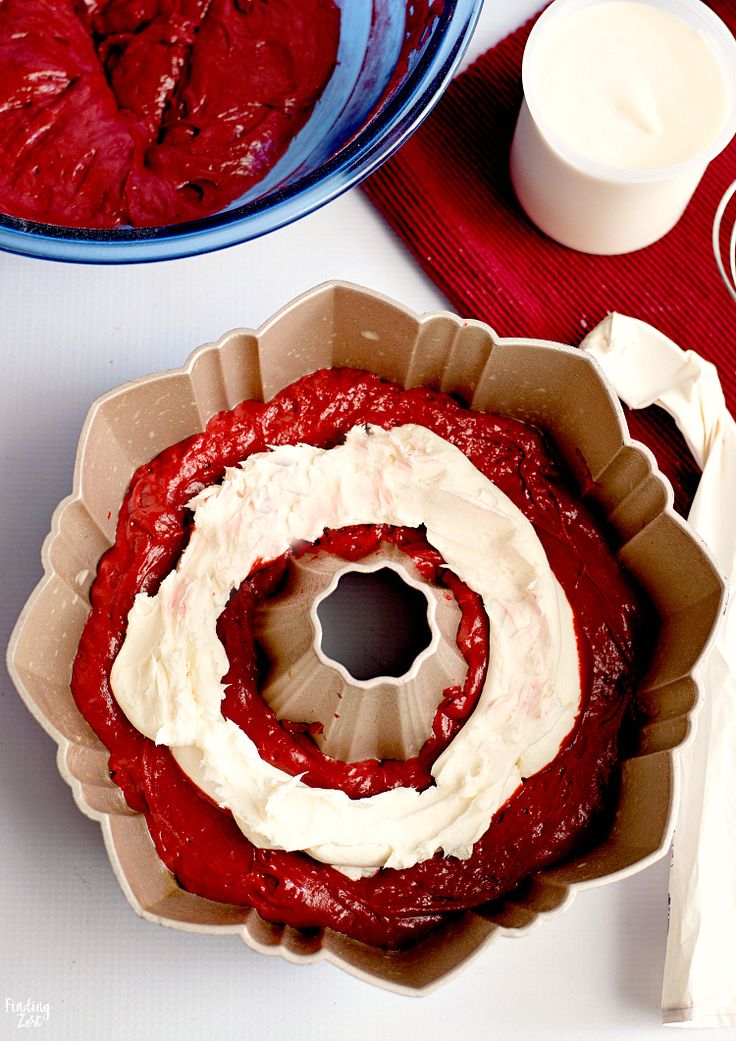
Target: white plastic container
[(588, 205)]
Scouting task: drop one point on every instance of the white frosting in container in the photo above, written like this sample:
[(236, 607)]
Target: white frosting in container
[(625, 104), (168, 675), (631, 86)]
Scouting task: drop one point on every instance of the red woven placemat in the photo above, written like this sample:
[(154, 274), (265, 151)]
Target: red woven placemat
[(447, 193)]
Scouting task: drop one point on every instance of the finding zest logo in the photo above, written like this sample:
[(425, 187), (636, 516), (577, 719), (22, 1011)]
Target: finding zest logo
[(29, 1014)]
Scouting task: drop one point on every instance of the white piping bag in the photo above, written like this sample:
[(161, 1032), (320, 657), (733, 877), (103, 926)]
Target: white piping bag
[(646, 368)]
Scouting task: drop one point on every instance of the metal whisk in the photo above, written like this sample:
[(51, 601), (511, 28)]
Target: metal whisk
[(727, 265)]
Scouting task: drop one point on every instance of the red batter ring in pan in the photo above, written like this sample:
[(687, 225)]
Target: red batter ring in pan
[(549, 815)]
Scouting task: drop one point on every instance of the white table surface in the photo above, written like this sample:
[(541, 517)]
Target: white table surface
[(67, 935)]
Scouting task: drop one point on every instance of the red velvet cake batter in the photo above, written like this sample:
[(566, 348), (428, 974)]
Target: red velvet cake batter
[(550, 815), (150, 112)]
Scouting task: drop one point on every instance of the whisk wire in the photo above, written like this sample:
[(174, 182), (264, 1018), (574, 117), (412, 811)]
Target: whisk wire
[(728, 276)]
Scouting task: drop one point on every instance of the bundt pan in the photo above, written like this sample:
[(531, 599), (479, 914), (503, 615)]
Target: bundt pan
[(557, 387)]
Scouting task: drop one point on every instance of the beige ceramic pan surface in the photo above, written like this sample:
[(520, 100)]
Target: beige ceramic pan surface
[(337, 324)]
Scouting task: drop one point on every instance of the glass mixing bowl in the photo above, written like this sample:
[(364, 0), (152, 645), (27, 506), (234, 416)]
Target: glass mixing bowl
[(393, 64)]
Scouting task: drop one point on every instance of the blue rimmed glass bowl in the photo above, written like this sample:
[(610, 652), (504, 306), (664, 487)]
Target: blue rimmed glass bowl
[(379, 93)]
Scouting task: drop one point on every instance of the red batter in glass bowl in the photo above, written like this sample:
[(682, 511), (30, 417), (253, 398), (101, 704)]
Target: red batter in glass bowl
[(422, 906), (144, 129), (156, 112)]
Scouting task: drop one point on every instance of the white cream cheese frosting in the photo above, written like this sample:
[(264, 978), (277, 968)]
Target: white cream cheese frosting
[(631, 85), (167, 677)]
